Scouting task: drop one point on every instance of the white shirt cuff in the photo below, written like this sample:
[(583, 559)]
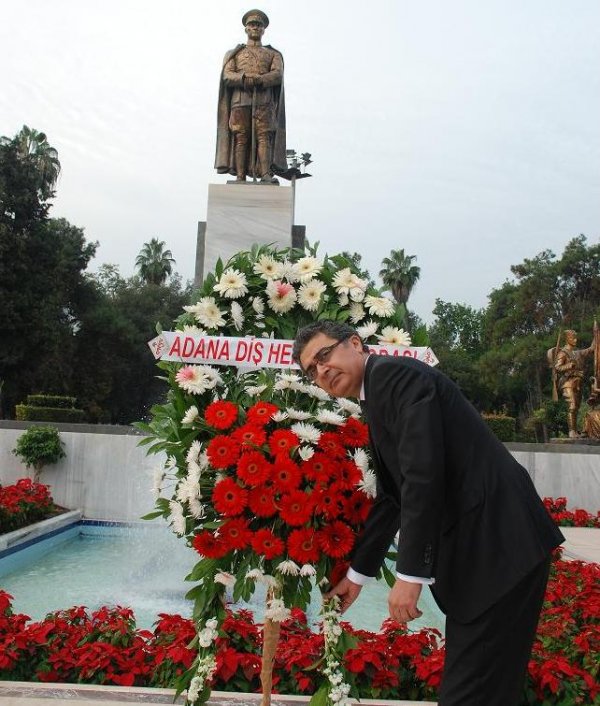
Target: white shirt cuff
[(357, 578), (413, 579)]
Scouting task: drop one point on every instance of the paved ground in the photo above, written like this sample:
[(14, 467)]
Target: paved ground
[(582, 543)]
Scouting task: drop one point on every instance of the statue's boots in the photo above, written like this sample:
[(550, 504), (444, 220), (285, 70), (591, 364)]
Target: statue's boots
[(240, 161), (572, 419)]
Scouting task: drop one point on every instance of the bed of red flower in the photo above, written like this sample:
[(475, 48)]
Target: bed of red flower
[(105, 647), (24, 503)]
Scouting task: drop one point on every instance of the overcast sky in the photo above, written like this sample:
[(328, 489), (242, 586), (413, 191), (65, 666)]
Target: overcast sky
[(465, 132)]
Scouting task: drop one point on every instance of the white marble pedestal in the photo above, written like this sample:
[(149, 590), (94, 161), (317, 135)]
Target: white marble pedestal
[(239, 215)]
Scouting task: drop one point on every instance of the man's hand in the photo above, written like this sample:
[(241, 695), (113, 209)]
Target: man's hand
[(347, 591), (402, 601)]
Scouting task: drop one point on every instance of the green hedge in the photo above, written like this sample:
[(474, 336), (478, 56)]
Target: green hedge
[(503, 426), (26, 413), (56, 401)]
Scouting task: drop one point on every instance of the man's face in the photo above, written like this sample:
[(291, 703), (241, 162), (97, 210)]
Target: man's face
[(255, 30), (342, 373), (571, 338)]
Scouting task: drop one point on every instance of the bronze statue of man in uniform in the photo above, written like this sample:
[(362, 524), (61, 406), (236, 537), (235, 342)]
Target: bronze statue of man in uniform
[(569, 364), (251, 111)]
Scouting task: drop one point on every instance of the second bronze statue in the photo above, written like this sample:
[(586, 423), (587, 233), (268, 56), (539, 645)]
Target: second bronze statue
[(251, 111)]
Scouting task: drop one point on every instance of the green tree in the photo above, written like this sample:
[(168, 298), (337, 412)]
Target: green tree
[(400, 275), (39, 447), (154, 263)]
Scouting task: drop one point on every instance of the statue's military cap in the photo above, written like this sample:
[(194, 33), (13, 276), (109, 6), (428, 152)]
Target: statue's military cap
[(255, 15)]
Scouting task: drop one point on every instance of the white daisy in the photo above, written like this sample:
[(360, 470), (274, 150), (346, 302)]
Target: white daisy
[(306, 452), (158, 477), (237, 316), (194, 473), (196, 379), (367, 330), (306, 432), (171, 463), (255, 390), (316, 392), (395, 336), (191, 415), (232, 284), (282, 383), (288, 568), (259, 306), (298, 414), (326, 416), (343, 300), (308, 570), (379, 306), (176, 518), (348, 406), (193, 330), (357, 312), (207, 312), (310, 294), (203, 461), (281, 296), (194, 451), (279, 416), (197, 509), (343, 280), (289, 273), (361, 460), (356, 294), (254, 574), (307, 267), (268, 267)]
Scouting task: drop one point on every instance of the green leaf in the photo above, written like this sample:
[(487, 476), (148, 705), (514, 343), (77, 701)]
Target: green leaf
[(320, 697), (152, 515)]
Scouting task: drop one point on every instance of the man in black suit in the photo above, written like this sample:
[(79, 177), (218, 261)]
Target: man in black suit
[(470, 522)]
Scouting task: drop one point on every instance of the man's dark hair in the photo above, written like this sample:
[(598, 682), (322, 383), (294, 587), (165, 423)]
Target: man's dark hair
[(334, 329)]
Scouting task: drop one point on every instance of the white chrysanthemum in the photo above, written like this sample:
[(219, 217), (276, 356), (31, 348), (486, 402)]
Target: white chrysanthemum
[(255, 390), (237, 316), (207, 312), (194, 451), (171, 463), (269, 581), (379, 306), (187, 489), (288, 568), (281, 296), (197, 509), (298, 414), (367, 330), (395, 336), (361, 459), (368, 484), (348, 406), (306, 452), (268, 267), (357, 312), (282, 383), (343, 299), (207, 636), (279, 416), (326, 416), (316, 392), (232, 284), (203, 461), (306, 432), (307, 267), (308, 570), (259, 306), (158, 477), (225, 578), (191, 415), (194, 689), (194, 473), (254, 574), (289, 273), (193, 330), (289, 377), (176, 518), (309, 294), (197, 379), (276, 611)]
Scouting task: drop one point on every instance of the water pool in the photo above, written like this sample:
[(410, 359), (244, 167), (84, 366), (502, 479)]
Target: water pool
[(142, 567)]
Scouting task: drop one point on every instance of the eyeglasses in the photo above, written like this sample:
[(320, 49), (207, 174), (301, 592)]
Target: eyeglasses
[(320, 358)]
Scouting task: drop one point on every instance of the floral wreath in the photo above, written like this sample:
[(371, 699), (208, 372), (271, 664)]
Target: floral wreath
[(269, 476)]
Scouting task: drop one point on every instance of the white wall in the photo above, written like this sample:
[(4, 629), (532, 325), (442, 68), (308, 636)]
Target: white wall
[(108, 477)]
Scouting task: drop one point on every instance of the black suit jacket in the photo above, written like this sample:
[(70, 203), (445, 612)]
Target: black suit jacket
[(467, 512)]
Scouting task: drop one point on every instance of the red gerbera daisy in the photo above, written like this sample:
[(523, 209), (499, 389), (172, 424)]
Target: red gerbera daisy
[(221, 414), (348, 474), (208, 545), (331, 443), (295, 508), (235, 533), (336, 539), (267, 544), (250, 436), (286, 475), (228, 498), (318, 467), (329, 500), (253, 468), (302, 546), (261, 413), (357, 507), (282, 441), (223, 451), (262, 501), (354, 432)]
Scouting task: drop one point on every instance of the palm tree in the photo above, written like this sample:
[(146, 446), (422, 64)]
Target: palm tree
[(33, 145), (399, 275), (154, 263)]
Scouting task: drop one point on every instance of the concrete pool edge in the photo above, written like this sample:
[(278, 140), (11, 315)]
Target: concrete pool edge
[(25, 693), (18, 539)]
